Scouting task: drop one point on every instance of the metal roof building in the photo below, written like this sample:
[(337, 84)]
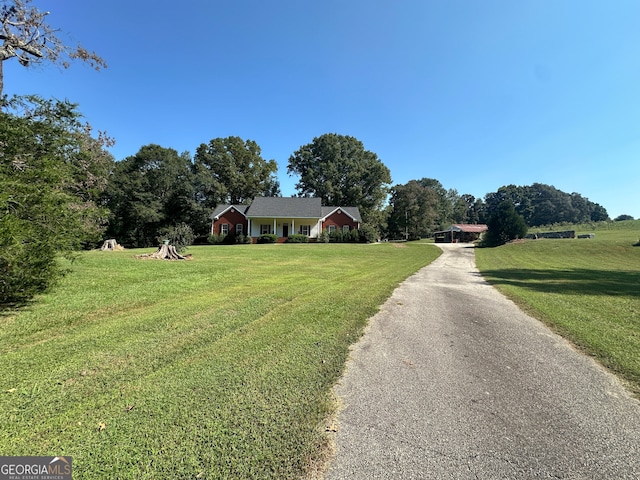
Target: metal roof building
[(460, 232)]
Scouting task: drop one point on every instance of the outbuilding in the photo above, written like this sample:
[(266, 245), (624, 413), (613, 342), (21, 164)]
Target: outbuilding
[(460, 232)]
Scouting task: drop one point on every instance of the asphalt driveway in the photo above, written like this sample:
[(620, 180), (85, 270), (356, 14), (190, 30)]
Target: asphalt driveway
[(452, 381)]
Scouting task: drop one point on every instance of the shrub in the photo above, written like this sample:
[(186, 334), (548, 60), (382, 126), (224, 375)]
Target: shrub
[(268, 238), (216, 239), (367, 233), (180, 236), (504, 225), (335, 236), (323, 237), (26, 269), (297, 238), (243, 239)]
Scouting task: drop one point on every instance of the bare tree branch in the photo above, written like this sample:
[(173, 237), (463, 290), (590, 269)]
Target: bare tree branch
[(25, 35)]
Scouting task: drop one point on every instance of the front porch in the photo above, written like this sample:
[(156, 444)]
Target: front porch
[(283, 227)]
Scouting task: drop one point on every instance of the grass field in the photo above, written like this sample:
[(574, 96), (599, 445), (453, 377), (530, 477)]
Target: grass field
[(217, 367), (586, 289)]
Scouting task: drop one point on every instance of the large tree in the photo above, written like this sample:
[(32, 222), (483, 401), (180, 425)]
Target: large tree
[(467, 209), (52, 172), (150, 192), (414, 211), (233, 171), (27, 36), (505, 224), (339, 170)]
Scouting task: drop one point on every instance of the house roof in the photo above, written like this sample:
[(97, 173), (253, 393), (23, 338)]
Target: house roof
[(469, 228), (285, 207), (222, 209), (353, 212)]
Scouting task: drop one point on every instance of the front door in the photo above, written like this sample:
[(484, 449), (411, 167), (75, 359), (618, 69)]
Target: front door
[(285, 230)]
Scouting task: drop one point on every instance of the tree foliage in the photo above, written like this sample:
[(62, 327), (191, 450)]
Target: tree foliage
[(339, 170), (505, 224), (52, 173), (27, 36), (233, 171), (157, 190), (421, 207), (414, 211), (541, 204), (149, 192)]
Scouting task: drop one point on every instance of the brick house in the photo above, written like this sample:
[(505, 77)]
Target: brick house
[(283, 216)]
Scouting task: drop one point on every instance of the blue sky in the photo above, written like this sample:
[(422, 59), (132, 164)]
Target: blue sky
[(475, 94)]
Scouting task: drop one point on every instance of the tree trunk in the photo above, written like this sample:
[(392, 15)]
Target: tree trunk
[(165, 252), (111, 245)]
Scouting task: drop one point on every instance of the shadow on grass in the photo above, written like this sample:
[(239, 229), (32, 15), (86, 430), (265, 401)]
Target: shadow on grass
[(577, 281)]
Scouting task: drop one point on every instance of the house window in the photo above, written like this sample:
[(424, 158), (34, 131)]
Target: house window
[(224, 229), (345, 228), (331, 228), (265, 229), (305, 230), (239, 229)]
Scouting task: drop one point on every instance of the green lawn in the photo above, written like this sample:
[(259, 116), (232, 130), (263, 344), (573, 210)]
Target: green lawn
[(217, 367), (586, 289)]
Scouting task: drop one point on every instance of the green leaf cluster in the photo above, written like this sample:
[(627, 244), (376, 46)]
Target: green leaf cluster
[(49, 171), (541, 204), (237, 170), (338, 169), (158, 189), (504, 225)]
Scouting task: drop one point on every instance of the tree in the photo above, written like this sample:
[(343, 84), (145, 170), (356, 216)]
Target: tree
[(339, 170), (414, 211), (467, 209), (505, 224), (621, 218), (237, 172), (150, 192), (25, 35), (51, 174), (445, 201)]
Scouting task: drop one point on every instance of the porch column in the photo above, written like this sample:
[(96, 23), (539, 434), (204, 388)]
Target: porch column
[(275, 227), (293, 226), (249, 227)]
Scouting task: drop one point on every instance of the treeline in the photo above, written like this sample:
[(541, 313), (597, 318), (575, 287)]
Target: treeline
[(157, 192), (420, 207), (541, 204), (60, 191)]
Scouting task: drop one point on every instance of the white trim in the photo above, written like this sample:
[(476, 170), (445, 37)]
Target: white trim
[(229, 207), (341, 210)]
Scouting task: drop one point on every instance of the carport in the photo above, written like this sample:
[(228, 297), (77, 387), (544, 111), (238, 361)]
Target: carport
[(460, 232)]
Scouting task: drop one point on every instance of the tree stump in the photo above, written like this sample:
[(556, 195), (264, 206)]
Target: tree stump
[(165, 252), (111, 245)]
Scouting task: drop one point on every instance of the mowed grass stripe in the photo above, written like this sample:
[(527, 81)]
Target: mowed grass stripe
[(219, 367), (586, 289)]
